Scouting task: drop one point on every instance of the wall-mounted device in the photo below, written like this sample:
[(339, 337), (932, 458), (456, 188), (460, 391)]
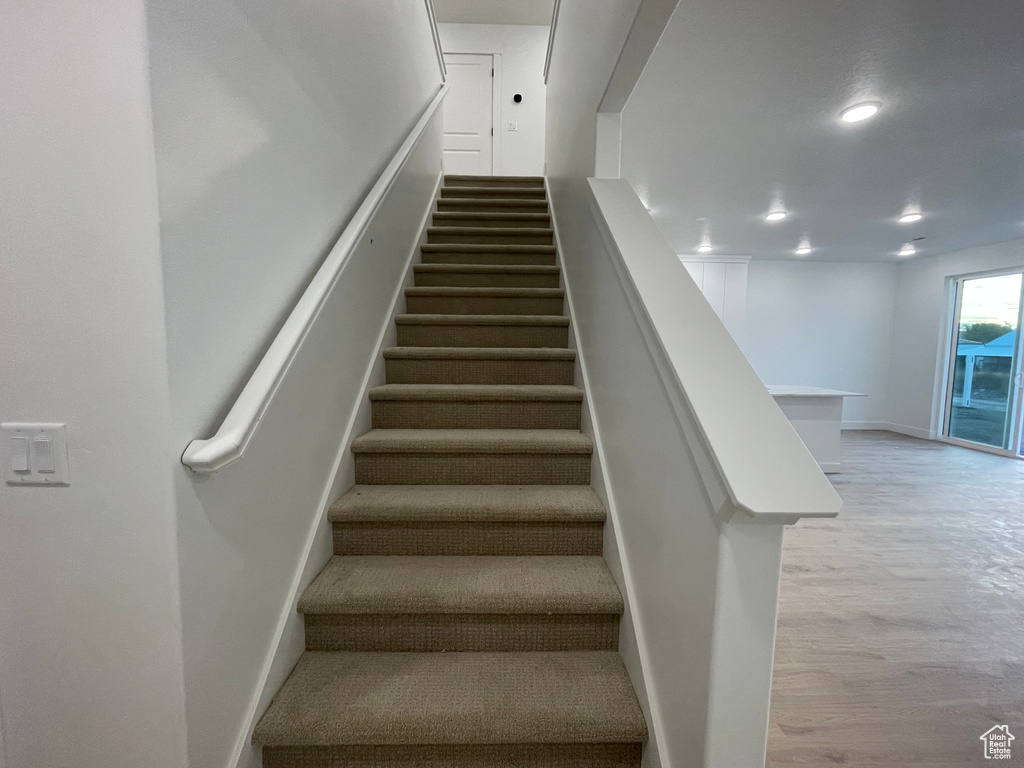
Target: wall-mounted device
[(517, 98), (36, 454)]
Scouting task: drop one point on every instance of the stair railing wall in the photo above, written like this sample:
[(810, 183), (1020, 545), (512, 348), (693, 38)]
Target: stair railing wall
[(701, 472), (282, 454)]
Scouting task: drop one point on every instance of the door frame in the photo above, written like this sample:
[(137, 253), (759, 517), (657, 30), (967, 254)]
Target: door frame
[(495, 104), (951, 334)]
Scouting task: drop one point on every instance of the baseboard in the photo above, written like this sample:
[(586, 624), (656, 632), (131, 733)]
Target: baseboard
[(285, 650), (889, 426), (858, 425), (917, 432)]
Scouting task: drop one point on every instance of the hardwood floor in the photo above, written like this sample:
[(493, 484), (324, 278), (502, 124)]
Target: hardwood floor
[(901, 623)]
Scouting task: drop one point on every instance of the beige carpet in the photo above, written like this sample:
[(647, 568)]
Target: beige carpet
[(467, 619)]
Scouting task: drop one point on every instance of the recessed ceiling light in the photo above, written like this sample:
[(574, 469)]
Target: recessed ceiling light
[(859, 112), (911, 213), (804, 247), (705, 235), (907, 250), (775, 215)]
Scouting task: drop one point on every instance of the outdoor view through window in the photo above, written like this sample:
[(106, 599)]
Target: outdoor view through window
[(983, 396)]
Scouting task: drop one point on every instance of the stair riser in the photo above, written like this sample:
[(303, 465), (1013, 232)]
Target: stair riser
[(488, 238), (472, 469), (494, 193), (468, 538), (440, 371), (456, 756), (494, 181), (487, 280), (473, 221), (483, 205), (427, 633), (484, 305), (419, 414), (502, 259), (533, 336)]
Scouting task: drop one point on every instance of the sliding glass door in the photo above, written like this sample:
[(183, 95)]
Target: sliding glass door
[(983, 395)]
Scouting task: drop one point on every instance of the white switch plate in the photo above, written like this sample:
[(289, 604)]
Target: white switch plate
[(513, 125), (46, 462)]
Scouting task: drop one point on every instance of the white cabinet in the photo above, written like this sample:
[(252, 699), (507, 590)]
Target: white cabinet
[(723, 281)]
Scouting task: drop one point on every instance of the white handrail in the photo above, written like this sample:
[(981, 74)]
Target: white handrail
[(551, 39), (233, 436), (759, 461), (437, 40)]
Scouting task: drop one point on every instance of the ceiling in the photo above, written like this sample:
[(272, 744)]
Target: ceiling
[(740, 101), (531, 12)]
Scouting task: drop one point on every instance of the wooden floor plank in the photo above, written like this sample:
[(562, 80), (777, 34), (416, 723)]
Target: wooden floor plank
[(901, 623)]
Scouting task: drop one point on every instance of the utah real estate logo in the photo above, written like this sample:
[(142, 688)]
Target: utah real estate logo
[(997, 742)]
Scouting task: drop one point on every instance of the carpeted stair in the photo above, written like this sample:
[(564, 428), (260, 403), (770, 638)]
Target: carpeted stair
[(467, 619)]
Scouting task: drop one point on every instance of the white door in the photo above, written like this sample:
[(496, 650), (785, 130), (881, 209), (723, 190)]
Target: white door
[(468, 130)]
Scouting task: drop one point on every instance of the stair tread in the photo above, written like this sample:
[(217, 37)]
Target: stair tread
[(496, 215), (473, 393), (486, 248), (461, 584), (473, 177), (496, 202), (524, 320), (511, 231), (485, 292), (488, 441), (479, 353), (492, 190), (537, 697), (486, 269), (468, 503)]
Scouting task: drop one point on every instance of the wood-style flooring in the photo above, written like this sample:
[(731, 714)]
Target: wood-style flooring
[(901, 623)]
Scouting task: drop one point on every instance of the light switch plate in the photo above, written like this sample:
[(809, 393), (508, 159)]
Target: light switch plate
[(513, 125), (34, 454)]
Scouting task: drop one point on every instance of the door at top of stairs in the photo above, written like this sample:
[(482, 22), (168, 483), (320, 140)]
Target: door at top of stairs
[(468, 114)]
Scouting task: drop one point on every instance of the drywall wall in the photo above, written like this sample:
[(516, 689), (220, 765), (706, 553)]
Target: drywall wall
[(586, 42), (522, 50), (90, 631), (494, 11), (921, 327), (272, 120), (823, 324)]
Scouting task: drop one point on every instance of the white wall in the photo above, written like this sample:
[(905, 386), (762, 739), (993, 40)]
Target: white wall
[(588, 38), (90, 631), (272, 121), (823, 324), (921, 330), (494, 11), (522, 50)]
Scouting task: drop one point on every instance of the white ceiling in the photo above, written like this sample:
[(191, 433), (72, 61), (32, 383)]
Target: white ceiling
[(533, 12), (742, 98)]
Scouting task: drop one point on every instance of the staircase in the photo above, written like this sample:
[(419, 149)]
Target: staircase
[(467, 619)]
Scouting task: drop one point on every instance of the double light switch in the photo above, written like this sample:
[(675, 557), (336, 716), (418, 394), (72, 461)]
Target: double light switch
[(36, 454)]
